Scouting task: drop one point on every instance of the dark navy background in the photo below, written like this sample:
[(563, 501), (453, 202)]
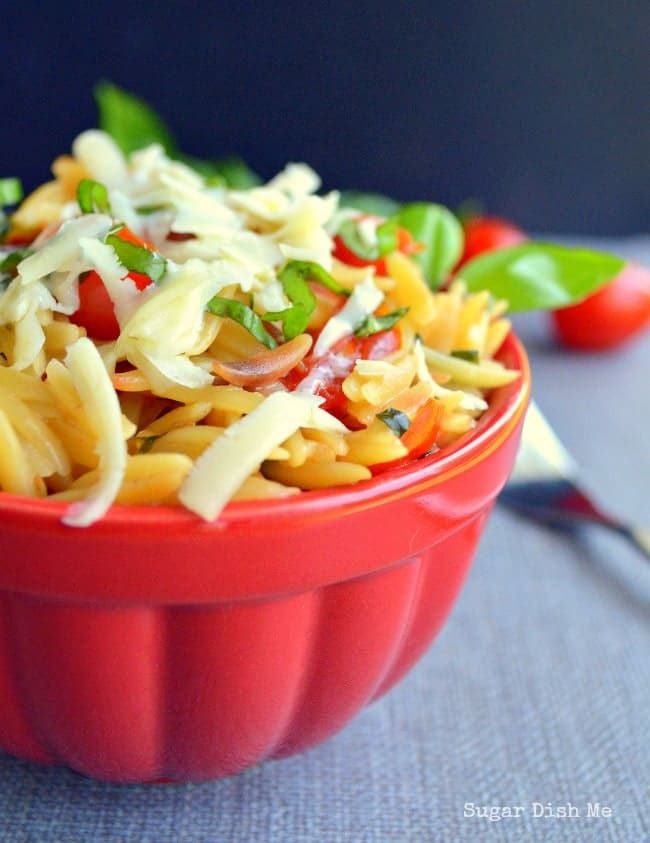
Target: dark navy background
[(540, 109)]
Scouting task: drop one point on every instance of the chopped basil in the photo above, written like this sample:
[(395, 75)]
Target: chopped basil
[(434, 227), (11, 191), (310, 271), (374, 324), (469, 354), (538, 276), (294, 277), (231, 172), (92, 196), (351, 233), (10, 262), (398, 421), (147, 444), (244, 316), (137, 258), (303, 302), (146, 210)]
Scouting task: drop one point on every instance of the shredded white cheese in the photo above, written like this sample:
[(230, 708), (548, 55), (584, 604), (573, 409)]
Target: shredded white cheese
[(63, 248), (121, 289), (167, 324), (101, 405), (240, 450), (101, 157), (365, 299)]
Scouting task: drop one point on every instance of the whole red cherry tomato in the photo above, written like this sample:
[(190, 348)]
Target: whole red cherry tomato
[(612, 315), (483, 234), (95, 312)]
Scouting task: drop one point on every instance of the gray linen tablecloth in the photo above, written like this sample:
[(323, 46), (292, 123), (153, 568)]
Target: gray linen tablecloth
[(536, 694)]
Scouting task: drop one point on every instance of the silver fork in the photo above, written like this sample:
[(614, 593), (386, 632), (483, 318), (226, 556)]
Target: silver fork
[(544, 485)]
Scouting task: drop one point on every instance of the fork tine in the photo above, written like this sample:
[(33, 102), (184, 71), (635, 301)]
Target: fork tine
[(544, 486)]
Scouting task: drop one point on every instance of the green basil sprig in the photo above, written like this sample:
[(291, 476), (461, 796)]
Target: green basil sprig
[(303, 303), (10, 261), (294, 277), (9, 264), (374, 324), (540, 276), (433, 226), (471, 355), (244, 316), (231, 171), (92, 196), (386, 238), (130, 121), (137, 258), (310, 271), (133, 124), (396, 420)]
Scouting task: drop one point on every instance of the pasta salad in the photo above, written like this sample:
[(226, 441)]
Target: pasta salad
[(167, 339)]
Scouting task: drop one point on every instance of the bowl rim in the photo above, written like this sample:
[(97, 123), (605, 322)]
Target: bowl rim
[(506, 406)]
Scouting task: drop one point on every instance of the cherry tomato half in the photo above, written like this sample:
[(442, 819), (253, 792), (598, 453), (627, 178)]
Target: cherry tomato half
[(333, 367), (420, 436), (484, 234), (95, 312), (609, 317)]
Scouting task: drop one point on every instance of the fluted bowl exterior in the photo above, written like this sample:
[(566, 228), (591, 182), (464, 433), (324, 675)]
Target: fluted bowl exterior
[(154, 646)]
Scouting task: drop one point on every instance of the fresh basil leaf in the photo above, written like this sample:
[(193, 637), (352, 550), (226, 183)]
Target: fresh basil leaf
[(244, 316), (398, 421), (232, 172), (351, 233), (294, 277), (147, 210), (371, 203), (130, 121), (133, 124), (92, 196), (311, 271), (538, 276), (10, 262), (295, 319), (11, 191), (441, 235), (469, 354), (147, 444), (137, 258), (374, 324)]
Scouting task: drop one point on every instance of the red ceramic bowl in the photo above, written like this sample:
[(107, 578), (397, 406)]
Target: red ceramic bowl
[(153, 645)]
